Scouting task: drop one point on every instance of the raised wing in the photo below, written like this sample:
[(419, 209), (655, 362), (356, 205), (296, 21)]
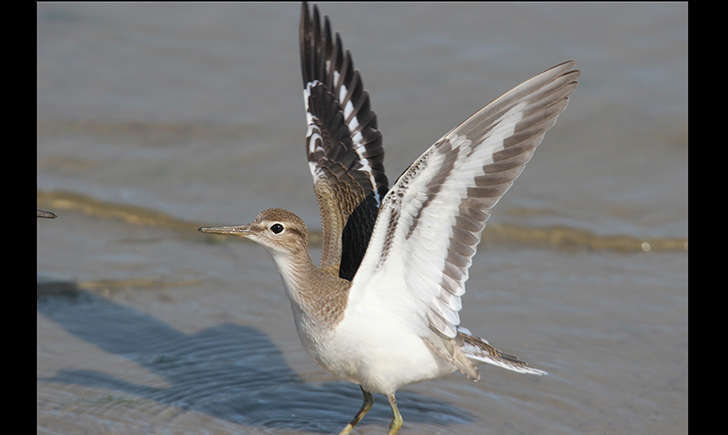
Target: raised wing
[(430, 222), (343, 146)]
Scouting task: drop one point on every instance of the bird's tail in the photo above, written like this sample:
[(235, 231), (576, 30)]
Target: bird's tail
[(478, 349)]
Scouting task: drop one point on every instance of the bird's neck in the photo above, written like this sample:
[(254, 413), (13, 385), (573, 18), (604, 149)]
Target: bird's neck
[(296, 269), (318, 296)]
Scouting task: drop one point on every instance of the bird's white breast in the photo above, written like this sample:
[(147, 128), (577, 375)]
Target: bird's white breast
[(378, 344), (375, 347)]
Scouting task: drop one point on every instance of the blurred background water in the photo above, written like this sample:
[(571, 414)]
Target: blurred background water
[(156, 118)]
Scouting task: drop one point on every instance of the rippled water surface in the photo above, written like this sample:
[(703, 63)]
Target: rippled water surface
[(155, 119)]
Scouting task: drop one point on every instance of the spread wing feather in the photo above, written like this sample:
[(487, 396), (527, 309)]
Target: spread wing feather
[(343, 146), (430, 222)]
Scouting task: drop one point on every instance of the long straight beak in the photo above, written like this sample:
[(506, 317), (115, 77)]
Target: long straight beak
[(236, 230), (45, 214)]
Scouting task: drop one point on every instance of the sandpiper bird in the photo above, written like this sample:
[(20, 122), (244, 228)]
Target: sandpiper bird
[(45, 213), (382, 309)]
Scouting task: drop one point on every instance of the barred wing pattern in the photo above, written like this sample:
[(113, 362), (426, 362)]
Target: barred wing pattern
[(430, 222), (343, 146)]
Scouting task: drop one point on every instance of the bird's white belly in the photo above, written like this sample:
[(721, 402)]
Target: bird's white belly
[(381, 355)]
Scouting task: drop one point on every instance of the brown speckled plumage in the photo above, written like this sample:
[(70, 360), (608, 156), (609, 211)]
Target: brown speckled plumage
[(322, 295)]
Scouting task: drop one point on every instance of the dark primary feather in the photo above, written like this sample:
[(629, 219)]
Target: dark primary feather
[(345, 149)]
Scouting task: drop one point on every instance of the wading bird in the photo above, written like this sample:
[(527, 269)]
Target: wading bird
[(382, 309)]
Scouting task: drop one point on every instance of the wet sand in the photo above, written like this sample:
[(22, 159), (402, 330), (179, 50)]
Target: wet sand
[(181, 338)]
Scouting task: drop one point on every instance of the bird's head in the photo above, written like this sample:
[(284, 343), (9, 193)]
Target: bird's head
[(278, 230)]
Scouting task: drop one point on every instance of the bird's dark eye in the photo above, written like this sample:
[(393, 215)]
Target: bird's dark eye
[(276, 228)]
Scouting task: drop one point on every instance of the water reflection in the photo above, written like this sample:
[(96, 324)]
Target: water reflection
[(229, 371)]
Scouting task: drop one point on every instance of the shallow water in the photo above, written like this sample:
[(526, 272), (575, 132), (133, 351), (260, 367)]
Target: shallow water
[(155, 119)]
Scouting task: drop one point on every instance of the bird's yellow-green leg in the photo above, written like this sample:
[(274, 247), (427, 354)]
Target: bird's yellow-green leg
[(396, 416), (365, 407)]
